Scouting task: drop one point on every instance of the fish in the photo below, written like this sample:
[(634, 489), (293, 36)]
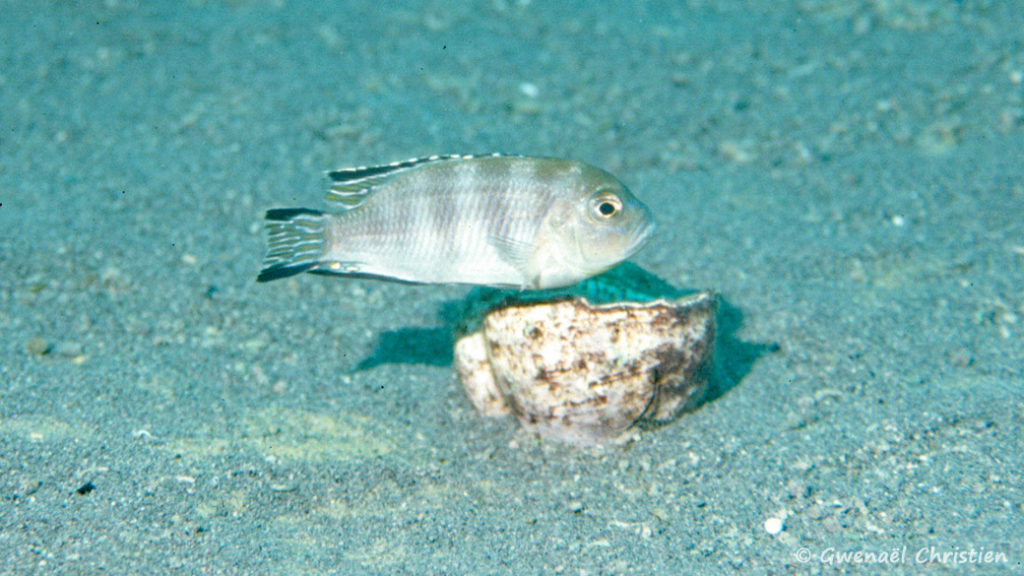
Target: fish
[(495, 220)]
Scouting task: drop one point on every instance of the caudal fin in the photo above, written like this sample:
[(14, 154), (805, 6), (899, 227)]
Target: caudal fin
[(295, 242)]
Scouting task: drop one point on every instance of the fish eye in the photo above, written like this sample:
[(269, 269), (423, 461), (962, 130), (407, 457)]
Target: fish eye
[(606, 206)]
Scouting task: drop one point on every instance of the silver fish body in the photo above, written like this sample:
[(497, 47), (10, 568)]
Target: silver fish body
[(510, 221)]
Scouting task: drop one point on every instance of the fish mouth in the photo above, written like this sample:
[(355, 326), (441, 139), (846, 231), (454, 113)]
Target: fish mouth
[(641, 236)]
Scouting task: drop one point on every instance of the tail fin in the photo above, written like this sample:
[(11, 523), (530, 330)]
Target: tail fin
[(295, 242)]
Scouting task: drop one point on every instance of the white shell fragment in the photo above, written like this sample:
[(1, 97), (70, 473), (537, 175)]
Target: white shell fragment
[(477, 377), (585, 374)]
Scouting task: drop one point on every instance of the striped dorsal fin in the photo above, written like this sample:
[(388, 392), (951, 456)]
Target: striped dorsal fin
[(349, 187)]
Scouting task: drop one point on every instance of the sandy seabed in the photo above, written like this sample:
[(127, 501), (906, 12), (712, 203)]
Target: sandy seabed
[(846, 175)]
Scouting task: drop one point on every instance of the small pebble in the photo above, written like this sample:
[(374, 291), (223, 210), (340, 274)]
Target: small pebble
[(529, 90), (37, 346), (774, 526), (797, 489)]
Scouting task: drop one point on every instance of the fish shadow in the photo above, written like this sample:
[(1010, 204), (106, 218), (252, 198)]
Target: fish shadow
[(733, 358), (430, 346)]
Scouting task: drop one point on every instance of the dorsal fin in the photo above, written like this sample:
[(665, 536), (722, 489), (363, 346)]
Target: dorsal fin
[(350, 187)]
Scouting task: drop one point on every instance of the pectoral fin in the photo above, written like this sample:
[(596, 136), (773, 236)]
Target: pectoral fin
[(517, 254)]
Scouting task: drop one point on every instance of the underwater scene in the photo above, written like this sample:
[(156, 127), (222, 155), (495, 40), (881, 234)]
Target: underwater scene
[(511, 287)]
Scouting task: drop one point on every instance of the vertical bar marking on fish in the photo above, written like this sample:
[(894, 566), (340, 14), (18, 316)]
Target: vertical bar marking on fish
[(494, 220)]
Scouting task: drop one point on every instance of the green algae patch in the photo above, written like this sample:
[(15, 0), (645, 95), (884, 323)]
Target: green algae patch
[(39, 428), (381, 554), (310, 436), (233, 503), (295, 435)]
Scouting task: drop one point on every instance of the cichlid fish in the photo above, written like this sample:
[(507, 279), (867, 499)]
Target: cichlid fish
[(509, 221)]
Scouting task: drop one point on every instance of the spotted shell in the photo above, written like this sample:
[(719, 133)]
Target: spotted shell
[(585, 374)]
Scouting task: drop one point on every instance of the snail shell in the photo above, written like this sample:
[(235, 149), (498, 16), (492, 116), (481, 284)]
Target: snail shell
[(585, 374)]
